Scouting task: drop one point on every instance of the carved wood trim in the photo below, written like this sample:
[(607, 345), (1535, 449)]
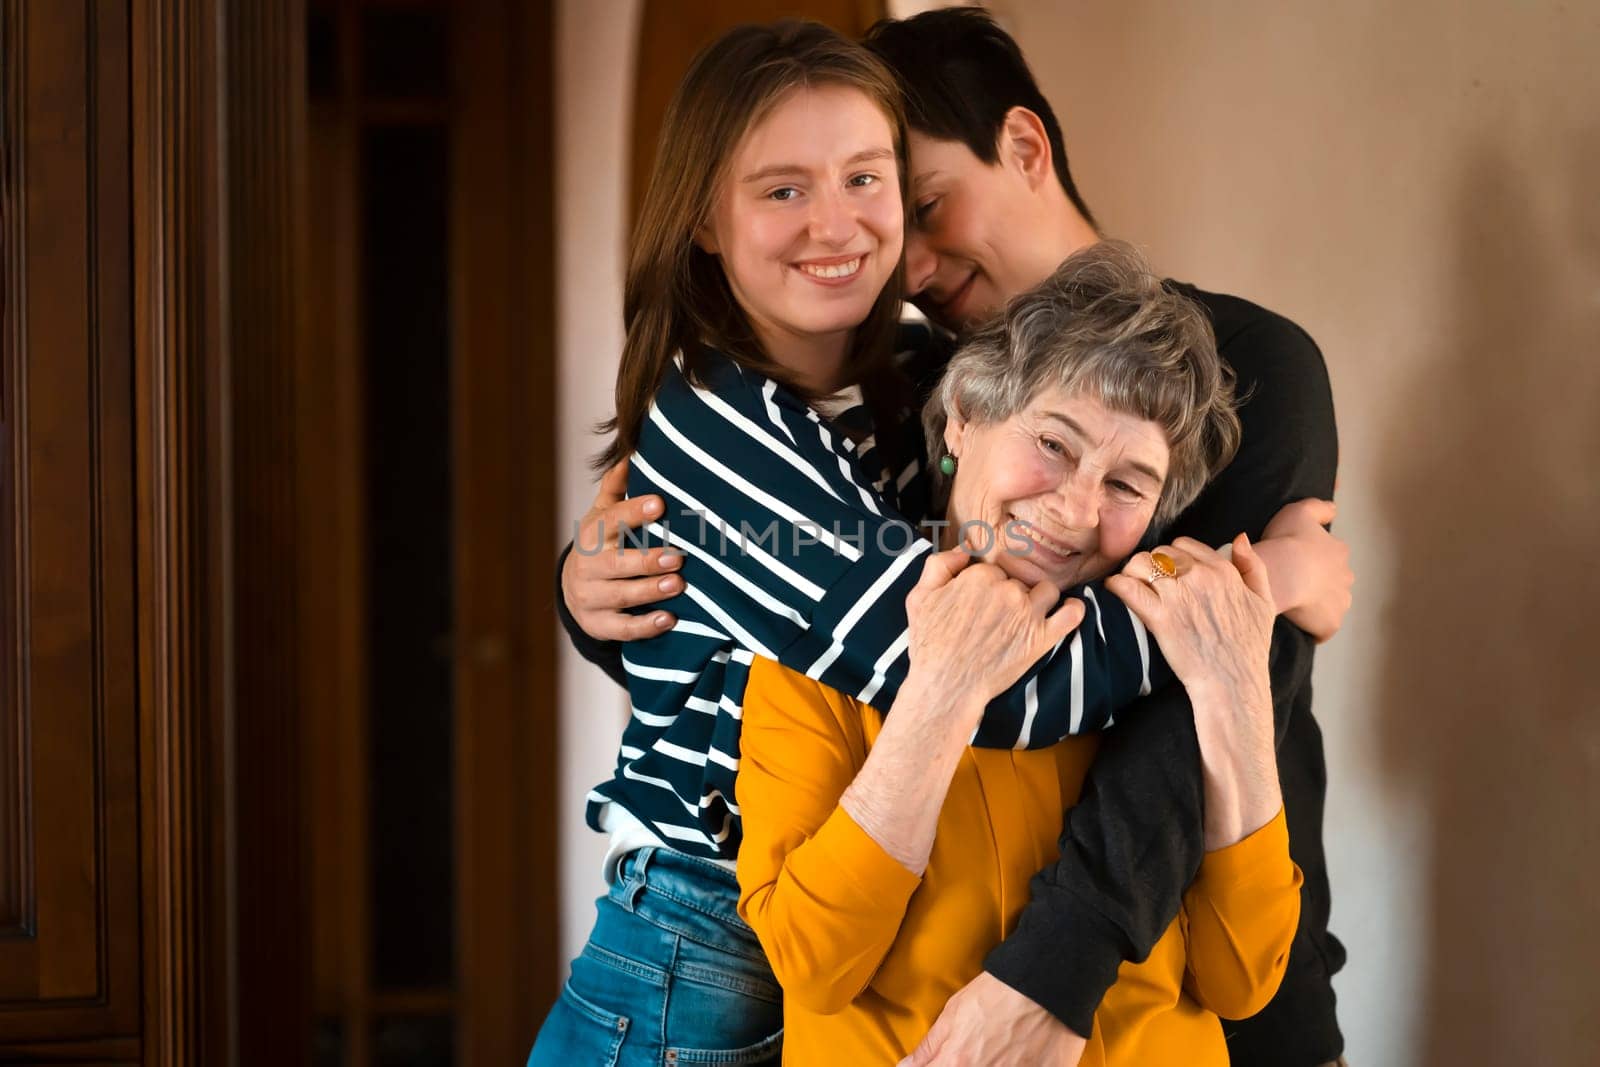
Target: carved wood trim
[(155, 374), (183, 442), (68, 702), (86, 1053), (16, 851), (218, 240)]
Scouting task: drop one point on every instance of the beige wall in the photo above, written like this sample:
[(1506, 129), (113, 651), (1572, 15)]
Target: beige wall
[(1418, 185)]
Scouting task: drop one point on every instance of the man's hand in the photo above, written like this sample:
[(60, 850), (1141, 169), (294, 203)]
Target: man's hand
[(599, 582), (988, 1022), (1310, 567)]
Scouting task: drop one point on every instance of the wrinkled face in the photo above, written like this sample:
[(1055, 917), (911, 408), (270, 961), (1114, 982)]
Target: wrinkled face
[(1077, 483), (808, 221), (971, 246)]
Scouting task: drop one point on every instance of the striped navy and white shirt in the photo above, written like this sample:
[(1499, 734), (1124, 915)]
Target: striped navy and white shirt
[(795, 549)]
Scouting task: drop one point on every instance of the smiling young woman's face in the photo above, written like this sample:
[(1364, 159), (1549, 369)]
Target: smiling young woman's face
[(1080, 481), (808, 221)]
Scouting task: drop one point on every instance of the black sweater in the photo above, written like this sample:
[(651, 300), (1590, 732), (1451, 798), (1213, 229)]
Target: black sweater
[(1134, 840)]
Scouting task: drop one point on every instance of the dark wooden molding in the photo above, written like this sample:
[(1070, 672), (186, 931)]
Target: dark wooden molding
[(169, 609), (113, 581), (184, 533), (16, 850), (109, 1050), (147, 527), (70, 968), (266, 120), (219, 239)]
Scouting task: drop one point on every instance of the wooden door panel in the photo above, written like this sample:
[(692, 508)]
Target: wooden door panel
[(69, 878)]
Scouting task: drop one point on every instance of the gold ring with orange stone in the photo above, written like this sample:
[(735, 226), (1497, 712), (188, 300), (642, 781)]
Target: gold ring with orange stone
[(1162, 566)]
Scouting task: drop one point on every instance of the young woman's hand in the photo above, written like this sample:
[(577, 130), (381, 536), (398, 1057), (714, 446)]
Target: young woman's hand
[(974, 631), (600, 580), (1310, 568)]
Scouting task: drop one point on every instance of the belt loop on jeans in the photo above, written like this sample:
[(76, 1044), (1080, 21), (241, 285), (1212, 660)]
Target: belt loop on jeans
[(637, 861)]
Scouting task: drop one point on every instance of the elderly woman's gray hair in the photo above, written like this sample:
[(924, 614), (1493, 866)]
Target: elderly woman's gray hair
[(1105, 326)]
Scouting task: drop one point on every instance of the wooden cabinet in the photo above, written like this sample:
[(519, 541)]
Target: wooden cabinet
[(119, 920), (186, 758), (69, 788)]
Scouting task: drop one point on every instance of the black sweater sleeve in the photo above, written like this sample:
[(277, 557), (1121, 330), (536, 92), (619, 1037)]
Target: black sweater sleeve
[(607, 655), (1134, 840)]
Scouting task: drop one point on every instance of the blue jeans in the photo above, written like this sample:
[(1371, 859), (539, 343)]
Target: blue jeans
[(670, 975)]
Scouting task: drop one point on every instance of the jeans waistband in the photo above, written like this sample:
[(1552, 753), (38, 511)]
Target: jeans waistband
[(703, 888)]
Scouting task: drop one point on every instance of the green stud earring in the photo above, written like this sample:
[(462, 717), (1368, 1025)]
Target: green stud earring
[(947, 465)]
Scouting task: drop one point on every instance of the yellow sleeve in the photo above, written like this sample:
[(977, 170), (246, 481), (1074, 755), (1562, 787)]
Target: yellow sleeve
[(1243, 909), (825, 900)]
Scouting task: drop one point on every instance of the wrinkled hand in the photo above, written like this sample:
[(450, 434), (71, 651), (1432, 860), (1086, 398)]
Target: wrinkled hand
[(974, 631), (1213, 621), (1313, 578), (1214, 624), (598, 581), (987, 1022)]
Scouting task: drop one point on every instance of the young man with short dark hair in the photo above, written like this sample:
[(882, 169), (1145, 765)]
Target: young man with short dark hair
[(995, 210)]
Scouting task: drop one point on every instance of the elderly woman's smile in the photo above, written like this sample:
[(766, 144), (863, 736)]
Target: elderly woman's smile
[(1094, 405), (1066, 486)]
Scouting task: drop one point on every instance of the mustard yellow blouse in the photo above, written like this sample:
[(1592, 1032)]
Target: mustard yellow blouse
[(868, 953)]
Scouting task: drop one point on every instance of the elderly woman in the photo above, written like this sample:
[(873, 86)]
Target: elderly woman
[(884, 857)]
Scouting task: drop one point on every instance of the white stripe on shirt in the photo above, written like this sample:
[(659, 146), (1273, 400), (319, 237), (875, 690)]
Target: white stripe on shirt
[(734, 480), (737, 418), (1030, 696), (715, 521)]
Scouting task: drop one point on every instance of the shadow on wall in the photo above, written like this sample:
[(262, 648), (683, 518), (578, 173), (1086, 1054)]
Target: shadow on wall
[(1492, 683)]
